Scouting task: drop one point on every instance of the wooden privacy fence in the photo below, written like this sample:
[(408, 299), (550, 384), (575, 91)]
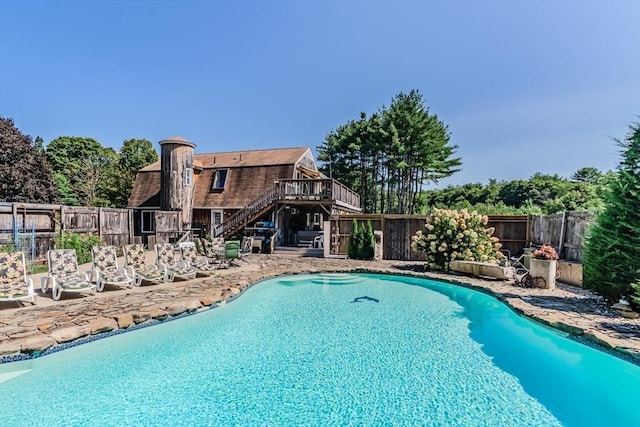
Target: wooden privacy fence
[(41, 219), (113, 226), (396, 231), (512, 230), (564, 231), (168, 226)]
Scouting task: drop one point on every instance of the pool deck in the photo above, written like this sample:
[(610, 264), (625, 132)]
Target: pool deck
[(27, 330)]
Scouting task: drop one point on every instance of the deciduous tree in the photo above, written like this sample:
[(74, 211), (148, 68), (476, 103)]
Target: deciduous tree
[(85, 163), (134, 155), (25, 175)]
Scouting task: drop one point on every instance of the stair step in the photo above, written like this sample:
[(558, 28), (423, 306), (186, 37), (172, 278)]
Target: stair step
[(305, 243)]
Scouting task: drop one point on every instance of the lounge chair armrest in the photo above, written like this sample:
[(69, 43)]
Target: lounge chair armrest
[(85, 274), (44, 282), (125, 272), (93, 275), (161, 267), (130, 271)]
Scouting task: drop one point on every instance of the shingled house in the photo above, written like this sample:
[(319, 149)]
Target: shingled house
[(226, 193)]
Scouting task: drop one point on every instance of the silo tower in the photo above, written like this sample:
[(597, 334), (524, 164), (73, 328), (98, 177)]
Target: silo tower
[(177, 178)]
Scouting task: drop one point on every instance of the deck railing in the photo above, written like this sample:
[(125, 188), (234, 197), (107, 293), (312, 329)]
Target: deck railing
[(293, 189), (317, 189)]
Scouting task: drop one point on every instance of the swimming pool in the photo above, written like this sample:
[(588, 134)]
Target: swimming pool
[(310, 350)]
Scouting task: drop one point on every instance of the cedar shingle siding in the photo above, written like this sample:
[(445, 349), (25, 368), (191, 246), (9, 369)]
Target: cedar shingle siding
[(242, 186), (250, 174), (146, 190)]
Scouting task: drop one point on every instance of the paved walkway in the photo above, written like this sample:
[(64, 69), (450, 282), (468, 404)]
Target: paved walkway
[(30, 330)]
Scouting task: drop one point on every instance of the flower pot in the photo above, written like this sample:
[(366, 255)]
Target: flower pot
[(543, 272)]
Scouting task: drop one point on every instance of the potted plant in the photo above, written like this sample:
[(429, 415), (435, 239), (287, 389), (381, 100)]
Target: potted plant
[(544, 264)]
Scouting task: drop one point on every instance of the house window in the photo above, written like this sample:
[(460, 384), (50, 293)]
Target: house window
[(219, 179), (216, 222), (148, 219), (188, 177)]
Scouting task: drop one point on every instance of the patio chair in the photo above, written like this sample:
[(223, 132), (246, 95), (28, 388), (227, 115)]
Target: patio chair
[(318, 242), (14, 283), (231, 253), (136, 266), (106, 270), (166, 255), (201, 263), (64, 275), (212, 249), (246, 247)]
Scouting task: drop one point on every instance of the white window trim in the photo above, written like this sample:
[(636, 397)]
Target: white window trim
[(213, 224), (216, 176), (143, 224)]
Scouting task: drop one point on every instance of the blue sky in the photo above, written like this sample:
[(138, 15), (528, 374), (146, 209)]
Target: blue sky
[(524, 86)]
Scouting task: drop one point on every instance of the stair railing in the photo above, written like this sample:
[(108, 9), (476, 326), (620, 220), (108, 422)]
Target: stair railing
[(255, 206)]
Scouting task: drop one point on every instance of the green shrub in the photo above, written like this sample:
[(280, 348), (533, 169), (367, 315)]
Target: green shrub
[(354, 248), (81, 243), (456, 235), (368, 242), (8, 248), (362, 241), (610, 263), (635, 299)]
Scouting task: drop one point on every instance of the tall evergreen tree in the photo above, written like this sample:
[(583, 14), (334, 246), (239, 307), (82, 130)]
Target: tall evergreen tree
[(389, 156), (25, 175), (612, 249)]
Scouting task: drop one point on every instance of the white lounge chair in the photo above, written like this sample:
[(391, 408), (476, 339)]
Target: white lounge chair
[(201, 263), (14, 283), (106, 270), (167, 255), (64, 275), (136, 265)]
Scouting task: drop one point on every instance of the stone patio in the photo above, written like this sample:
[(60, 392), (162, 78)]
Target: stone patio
[(27, 331)]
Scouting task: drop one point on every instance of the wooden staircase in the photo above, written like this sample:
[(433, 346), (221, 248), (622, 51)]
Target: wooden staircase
[(254, 210)]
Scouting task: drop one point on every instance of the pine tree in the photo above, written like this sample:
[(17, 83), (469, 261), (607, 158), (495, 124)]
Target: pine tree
[(612, 248), (389, 156)]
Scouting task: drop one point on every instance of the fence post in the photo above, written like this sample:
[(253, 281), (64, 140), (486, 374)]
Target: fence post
[(14, 217), (562, 231), (100, 223), (131, 226)]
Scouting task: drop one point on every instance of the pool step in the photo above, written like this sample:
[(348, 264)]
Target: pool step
[(336, 279)]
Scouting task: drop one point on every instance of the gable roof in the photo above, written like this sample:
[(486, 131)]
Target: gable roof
[(251, 172), (238, 159)]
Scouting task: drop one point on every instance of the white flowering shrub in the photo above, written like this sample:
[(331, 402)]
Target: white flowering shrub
[(456, 235)]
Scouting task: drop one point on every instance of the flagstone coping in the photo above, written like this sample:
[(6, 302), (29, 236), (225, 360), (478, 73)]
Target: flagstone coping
[(33, 331)]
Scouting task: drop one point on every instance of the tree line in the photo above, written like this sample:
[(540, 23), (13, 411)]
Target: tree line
[(539, 195), (388, 156), (71, 170)]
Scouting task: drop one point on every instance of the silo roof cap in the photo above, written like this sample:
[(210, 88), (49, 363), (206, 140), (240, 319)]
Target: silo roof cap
[(177, 140)]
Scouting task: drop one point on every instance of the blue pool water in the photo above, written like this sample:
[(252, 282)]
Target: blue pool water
[(299, 351)]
